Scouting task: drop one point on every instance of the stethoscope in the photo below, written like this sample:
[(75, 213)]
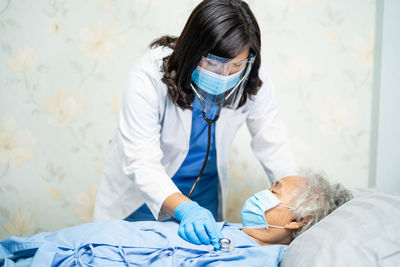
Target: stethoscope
[(209, 122), (225, 243)]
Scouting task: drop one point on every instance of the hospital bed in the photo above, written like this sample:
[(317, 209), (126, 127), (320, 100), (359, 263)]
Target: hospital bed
[(364, 232)]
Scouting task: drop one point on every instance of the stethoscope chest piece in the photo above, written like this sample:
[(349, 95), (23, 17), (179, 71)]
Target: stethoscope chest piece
[(226, 244)]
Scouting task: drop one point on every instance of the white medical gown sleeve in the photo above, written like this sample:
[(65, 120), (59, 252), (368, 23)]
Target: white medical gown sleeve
[(269, 138), (139, 127)]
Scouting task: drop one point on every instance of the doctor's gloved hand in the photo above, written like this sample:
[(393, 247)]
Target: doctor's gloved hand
[(197, 225)]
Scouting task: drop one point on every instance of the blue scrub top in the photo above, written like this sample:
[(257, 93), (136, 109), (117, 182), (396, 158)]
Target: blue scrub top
[(206, 192)]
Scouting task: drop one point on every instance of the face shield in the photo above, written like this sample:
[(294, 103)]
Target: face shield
[(219, 82)]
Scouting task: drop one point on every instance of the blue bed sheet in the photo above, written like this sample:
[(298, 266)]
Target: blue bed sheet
[(122, 243)]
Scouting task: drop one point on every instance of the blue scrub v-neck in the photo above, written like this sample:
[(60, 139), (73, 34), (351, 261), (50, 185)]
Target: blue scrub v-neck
[(206, 192)]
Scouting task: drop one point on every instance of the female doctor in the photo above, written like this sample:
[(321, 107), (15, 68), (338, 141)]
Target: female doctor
[(187, 97)]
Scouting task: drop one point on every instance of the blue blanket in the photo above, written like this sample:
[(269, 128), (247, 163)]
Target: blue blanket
[(122, 243)]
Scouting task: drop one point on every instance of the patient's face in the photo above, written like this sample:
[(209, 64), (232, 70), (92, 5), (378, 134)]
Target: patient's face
[(279, 216), (283, 190)]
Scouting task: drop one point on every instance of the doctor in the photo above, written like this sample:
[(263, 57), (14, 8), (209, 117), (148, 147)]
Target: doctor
[(186, 99)]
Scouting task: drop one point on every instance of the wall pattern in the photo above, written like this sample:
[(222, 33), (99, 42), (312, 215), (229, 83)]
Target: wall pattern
[(64, 65)]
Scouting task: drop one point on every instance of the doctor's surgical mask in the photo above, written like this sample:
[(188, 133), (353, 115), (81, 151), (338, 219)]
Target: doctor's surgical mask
[(255, 207), (220, 81), (214, 83)]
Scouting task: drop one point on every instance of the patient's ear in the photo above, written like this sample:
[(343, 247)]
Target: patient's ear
[(293, 225)]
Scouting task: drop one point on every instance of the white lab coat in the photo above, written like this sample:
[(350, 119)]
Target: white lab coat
[(153, 136)]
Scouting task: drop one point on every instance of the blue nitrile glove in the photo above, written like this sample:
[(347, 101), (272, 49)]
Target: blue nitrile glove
[(197, 225)]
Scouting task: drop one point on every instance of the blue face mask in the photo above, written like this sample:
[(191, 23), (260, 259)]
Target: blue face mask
[(214, 83), (254, 208)]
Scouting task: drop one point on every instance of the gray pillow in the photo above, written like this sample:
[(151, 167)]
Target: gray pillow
[(363, 232)]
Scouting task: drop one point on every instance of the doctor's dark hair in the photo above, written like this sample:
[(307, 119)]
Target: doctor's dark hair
[(223, 28)]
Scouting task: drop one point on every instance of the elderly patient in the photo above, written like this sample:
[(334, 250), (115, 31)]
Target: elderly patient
[(271, 219), (291, 206)]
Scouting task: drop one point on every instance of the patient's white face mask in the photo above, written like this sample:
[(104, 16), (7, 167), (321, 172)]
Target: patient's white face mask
[(254, 208)]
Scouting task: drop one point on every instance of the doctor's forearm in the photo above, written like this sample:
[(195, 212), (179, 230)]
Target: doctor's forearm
[(171, 202)]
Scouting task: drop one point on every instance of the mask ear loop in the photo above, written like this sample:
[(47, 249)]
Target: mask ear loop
[(283, 205), (274, 226), (280, 227)]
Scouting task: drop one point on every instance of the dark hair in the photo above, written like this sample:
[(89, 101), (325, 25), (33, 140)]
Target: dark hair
[(220, 27)]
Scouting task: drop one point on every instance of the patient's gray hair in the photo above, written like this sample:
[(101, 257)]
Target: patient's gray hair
[(316, 198)]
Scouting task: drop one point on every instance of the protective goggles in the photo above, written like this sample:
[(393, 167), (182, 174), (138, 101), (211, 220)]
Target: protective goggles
[(220, 81)]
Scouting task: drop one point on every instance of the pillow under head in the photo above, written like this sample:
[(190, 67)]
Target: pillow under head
[(362, 232)]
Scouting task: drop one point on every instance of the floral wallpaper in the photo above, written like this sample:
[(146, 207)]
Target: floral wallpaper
[(64, 65)]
